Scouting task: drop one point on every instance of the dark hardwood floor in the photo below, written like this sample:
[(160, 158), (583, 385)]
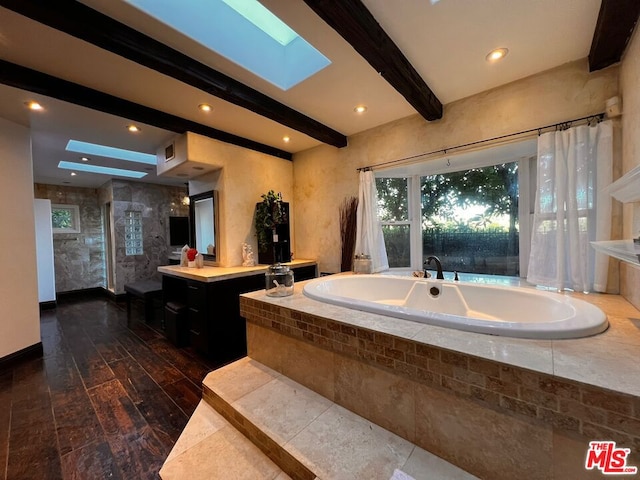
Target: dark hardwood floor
[(104, 402)]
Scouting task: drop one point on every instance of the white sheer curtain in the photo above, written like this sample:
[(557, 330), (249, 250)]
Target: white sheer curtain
[(574, 166), (369, 239)]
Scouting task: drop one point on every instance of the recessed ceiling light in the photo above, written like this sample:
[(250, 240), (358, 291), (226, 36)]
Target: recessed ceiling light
[(360, 109), (73, 174), (497, 54), (133, 128), (33, 105), (286, 139), (84, 159), (205, 107)]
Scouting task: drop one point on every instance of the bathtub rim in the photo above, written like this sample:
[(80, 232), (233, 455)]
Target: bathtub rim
[(596, 321)]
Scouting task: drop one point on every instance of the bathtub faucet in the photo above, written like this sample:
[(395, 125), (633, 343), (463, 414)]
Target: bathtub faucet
[(439, 275)]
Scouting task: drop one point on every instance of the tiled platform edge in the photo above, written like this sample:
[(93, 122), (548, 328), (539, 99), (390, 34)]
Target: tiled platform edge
[(308, 436), (491, 419)]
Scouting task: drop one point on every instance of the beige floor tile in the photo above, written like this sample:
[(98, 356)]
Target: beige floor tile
[(225, 454), (205, 421), (282, 408), (235, 380), (423, 465), (340, 445)]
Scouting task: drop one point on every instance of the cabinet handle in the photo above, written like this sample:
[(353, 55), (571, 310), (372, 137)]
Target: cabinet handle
[(194, 288)]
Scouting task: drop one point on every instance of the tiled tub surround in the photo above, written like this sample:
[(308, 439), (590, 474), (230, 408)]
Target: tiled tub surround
[(497, 407)]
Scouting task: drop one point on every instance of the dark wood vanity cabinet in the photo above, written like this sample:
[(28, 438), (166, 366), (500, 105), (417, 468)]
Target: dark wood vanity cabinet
[(212, 310)]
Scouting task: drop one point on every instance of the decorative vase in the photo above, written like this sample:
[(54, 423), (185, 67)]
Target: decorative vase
[(191, 264)]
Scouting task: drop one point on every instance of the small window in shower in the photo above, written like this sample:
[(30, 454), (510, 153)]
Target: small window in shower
[(133, 233)]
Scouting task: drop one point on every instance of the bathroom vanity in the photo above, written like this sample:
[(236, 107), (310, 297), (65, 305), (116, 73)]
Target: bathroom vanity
[(210, 314)]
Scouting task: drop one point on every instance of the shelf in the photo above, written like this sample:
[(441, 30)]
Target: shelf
[(627, 188), (624, 250)]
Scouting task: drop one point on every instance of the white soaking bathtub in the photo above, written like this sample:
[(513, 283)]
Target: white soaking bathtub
[(496, 310)]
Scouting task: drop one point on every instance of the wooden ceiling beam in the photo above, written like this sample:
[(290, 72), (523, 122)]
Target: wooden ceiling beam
[(82, 22), (616, 21), (352, 20), (37, 82)]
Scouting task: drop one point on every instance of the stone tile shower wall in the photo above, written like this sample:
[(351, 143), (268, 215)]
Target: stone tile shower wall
[(79, 258), (156, 203)]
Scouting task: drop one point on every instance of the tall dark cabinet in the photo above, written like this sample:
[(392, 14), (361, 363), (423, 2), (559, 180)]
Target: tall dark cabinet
[(279, 247)]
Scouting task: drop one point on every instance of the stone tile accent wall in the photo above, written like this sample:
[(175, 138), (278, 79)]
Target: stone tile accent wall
[(156, 203), (536, 411), (78, 257)]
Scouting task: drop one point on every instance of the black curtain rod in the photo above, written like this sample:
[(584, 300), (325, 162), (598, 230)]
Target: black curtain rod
[(558, 126)]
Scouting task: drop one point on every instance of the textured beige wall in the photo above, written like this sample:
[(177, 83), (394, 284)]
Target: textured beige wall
[(630, 96), (19, 307), (324, 176), (243, 177)]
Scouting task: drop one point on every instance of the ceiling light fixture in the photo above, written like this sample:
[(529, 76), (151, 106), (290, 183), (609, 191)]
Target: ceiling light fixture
[(133, 128), (84, 159), (497, 54), (205, 107), (33, 105), (286, 139), (360, 109), (73, 174)]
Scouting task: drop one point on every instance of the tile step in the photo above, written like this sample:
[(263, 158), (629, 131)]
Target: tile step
[(211, 448), (310, 437)]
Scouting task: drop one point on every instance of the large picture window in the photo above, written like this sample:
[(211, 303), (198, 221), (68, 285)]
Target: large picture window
[(475, 218)]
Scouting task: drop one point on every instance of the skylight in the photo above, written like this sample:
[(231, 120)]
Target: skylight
[(246, 33), (110, 152), (266, 21), (114, 172)]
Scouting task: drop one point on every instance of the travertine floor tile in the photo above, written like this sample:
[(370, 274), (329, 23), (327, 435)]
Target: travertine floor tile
[(239, 378), (225, 454), (282, 408), (205, 421), (423, 465), (341, 445)]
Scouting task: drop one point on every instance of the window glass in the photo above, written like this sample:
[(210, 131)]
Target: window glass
[(393, 211), (65, 218), (470, 219)]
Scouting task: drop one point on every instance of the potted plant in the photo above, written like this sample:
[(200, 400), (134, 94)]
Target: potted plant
[(270, 213)]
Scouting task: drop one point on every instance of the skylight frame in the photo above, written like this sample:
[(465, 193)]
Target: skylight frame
[(94, 149), (220, 28), (100, 170)]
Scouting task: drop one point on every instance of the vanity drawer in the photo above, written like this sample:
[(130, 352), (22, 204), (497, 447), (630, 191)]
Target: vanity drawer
[(196, 295)]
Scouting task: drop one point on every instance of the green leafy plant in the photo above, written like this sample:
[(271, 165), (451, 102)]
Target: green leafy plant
[(269, 213)]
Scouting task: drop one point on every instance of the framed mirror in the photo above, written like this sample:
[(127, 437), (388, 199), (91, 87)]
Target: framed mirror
[(203, 212)]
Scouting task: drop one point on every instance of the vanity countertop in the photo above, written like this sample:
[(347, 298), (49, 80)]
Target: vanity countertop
[(213, 274)]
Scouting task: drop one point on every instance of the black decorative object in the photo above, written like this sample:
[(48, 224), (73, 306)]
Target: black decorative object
[(272, 229)]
